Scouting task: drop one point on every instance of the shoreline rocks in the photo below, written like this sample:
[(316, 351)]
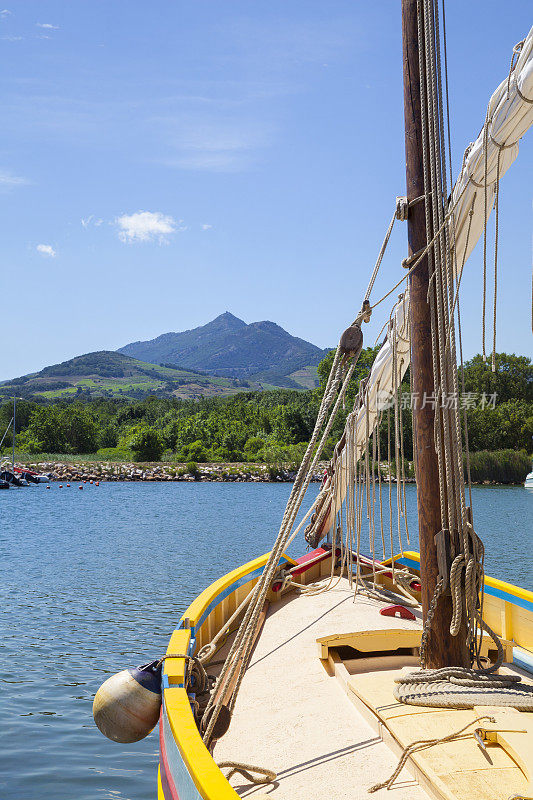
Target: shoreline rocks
[(160, 472)]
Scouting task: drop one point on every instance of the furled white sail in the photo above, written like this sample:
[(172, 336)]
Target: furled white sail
[(509, 116)]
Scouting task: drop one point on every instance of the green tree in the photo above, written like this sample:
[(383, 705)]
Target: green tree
[(145, 442), (513, 379), (63, 429)]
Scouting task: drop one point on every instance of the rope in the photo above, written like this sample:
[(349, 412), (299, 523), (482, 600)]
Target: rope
[(423, 744), (246, 771), (202, 674), (380, 256), (235, 665), (463, 688), (6, 430), (209, 650)]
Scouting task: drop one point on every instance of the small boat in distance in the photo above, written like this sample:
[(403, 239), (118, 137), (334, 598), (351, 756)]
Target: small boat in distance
[(31, 476), (529, 481)]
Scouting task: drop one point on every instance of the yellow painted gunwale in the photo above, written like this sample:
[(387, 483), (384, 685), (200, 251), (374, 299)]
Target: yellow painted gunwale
[(207, 777)]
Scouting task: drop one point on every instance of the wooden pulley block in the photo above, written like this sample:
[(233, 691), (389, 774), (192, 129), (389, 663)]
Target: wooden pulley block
[(351, 342)]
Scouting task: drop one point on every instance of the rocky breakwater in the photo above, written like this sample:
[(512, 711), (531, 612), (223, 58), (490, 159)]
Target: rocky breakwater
[(111, 471)]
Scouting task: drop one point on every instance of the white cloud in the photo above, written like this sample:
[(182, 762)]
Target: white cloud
[(6, 13), (46, 250), (7, 180), (206, 226), (47, 26), (12, 38), (91, 220), (145, 226)]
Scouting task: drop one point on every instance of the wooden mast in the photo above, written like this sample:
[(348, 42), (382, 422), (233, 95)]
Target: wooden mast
[(442, 649)]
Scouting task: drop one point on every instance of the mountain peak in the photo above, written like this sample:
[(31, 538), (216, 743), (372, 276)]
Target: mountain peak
[(227, 319), (228, 347)]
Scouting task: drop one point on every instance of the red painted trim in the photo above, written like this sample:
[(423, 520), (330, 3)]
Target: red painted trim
[(169, 787), (315, 556), (391, 611), (306, 562)]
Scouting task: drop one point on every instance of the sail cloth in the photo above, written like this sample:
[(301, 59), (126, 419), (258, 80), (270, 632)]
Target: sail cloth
[(509, 116), (394, 355)]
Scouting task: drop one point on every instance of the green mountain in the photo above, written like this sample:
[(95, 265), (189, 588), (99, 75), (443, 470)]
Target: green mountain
[(109, 374), (261, 351)]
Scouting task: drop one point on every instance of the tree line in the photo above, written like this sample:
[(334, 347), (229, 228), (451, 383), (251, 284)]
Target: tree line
[(269, 426)]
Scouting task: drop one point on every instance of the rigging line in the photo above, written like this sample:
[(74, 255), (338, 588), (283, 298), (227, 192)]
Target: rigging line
[(6, 430), (380, 489), (465, 416), (380, 256), (424, 252), (451, 363), (456, 297), (397, 441), (389, 468), (448, 126), (434, 161), (431, 256), (244, 638), (458, 278)]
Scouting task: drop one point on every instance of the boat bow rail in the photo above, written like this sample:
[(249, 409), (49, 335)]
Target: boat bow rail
[(187, 771)]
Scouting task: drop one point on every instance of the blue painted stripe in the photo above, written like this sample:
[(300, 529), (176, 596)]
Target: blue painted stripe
[(510, 598), (222, 596), (226, 593), (180, 774), (491, 590), (166, 685), (408, 562)]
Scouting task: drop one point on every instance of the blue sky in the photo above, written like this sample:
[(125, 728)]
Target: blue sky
[(162, 163)]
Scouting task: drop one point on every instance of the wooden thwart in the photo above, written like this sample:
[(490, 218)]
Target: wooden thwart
[(392, 639)]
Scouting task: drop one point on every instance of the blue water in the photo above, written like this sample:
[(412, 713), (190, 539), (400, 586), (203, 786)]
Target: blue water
[(95, 580)]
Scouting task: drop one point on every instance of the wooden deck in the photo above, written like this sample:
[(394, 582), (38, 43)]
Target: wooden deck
[(294, 717)]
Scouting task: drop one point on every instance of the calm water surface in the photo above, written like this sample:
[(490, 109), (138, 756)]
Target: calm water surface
[(95, 580)]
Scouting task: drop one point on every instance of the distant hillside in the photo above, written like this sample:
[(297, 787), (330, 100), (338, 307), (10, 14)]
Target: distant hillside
[(109, 374), (227, 346)]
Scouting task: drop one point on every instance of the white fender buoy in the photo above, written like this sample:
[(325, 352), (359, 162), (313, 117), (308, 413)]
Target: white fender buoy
[(126, 707)]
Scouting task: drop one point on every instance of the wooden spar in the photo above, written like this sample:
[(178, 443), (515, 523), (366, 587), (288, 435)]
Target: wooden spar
[(442, 649)]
